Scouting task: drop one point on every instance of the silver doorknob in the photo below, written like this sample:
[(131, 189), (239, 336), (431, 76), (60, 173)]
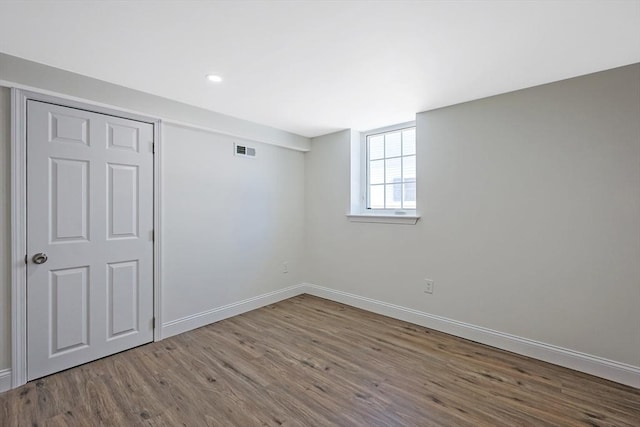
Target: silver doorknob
[(40, 258)]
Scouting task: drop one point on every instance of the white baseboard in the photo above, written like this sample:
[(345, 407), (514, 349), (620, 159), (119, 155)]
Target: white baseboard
[(5, 380), (187, 323), (594, 365), (598, 366)]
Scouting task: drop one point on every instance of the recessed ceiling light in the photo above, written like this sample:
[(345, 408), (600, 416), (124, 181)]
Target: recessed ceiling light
[(214, 78)]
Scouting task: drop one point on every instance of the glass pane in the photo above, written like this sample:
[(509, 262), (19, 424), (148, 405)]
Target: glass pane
[(376, 147), (376, 172), (393, 172), (409, 191), (409, 141), (409, 168), (376, 196), (394, 196), (392, 144)]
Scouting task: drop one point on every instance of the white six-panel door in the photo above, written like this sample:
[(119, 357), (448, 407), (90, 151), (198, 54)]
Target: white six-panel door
[(90, 211)]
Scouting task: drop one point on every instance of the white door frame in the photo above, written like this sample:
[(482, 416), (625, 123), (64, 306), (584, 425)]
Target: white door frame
[(19, 100)]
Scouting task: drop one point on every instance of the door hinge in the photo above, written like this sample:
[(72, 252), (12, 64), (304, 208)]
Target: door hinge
[(153, 322), (153, 147), (26, 258), (153, 235)]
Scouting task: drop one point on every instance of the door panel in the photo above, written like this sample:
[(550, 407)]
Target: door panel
[(69, 202), (90, 209), (69, 309), (71, 129), (122, 197), (123, 137), (122, 298)]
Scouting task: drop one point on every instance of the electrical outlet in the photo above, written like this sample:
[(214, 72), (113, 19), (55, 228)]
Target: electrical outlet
[(285, 267), (428, 286)]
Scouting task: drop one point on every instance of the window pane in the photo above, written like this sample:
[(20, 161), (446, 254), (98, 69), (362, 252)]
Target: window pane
[(409, 142), (376, 147), (409, 168), (409, 191), (376, 196), (392, 144), (394, 196), (376, 172), (393, 172)]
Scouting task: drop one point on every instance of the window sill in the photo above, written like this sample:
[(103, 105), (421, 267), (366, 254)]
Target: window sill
[(384, 219)]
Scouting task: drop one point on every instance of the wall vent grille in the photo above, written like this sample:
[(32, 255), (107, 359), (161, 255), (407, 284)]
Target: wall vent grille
[(243, 150)]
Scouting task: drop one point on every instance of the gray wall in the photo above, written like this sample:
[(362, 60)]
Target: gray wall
[(229, 222), (530, 205)]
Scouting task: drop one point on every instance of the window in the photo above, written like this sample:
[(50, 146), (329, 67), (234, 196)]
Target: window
[(391, 169)]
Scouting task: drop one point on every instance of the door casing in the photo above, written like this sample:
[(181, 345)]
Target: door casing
[(19, 99)]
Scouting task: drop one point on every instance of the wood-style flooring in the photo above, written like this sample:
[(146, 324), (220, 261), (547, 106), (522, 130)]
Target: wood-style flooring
[(311, 362)]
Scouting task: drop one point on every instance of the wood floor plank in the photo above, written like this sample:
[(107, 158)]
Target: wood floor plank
[(307, 361)]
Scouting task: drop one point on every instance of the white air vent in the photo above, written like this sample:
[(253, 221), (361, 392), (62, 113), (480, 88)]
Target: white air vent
[(243, 150)]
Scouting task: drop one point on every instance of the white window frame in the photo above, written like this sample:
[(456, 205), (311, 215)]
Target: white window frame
[(360, 211)]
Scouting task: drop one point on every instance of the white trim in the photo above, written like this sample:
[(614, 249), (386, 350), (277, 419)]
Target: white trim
[(19, 216), (384, 219), (157, 230), (5, 380), (129, 113), (18, 240), (187, 323), (594, 365)]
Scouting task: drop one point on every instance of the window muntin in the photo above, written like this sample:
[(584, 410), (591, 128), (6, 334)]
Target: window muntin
[(391, 169)]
